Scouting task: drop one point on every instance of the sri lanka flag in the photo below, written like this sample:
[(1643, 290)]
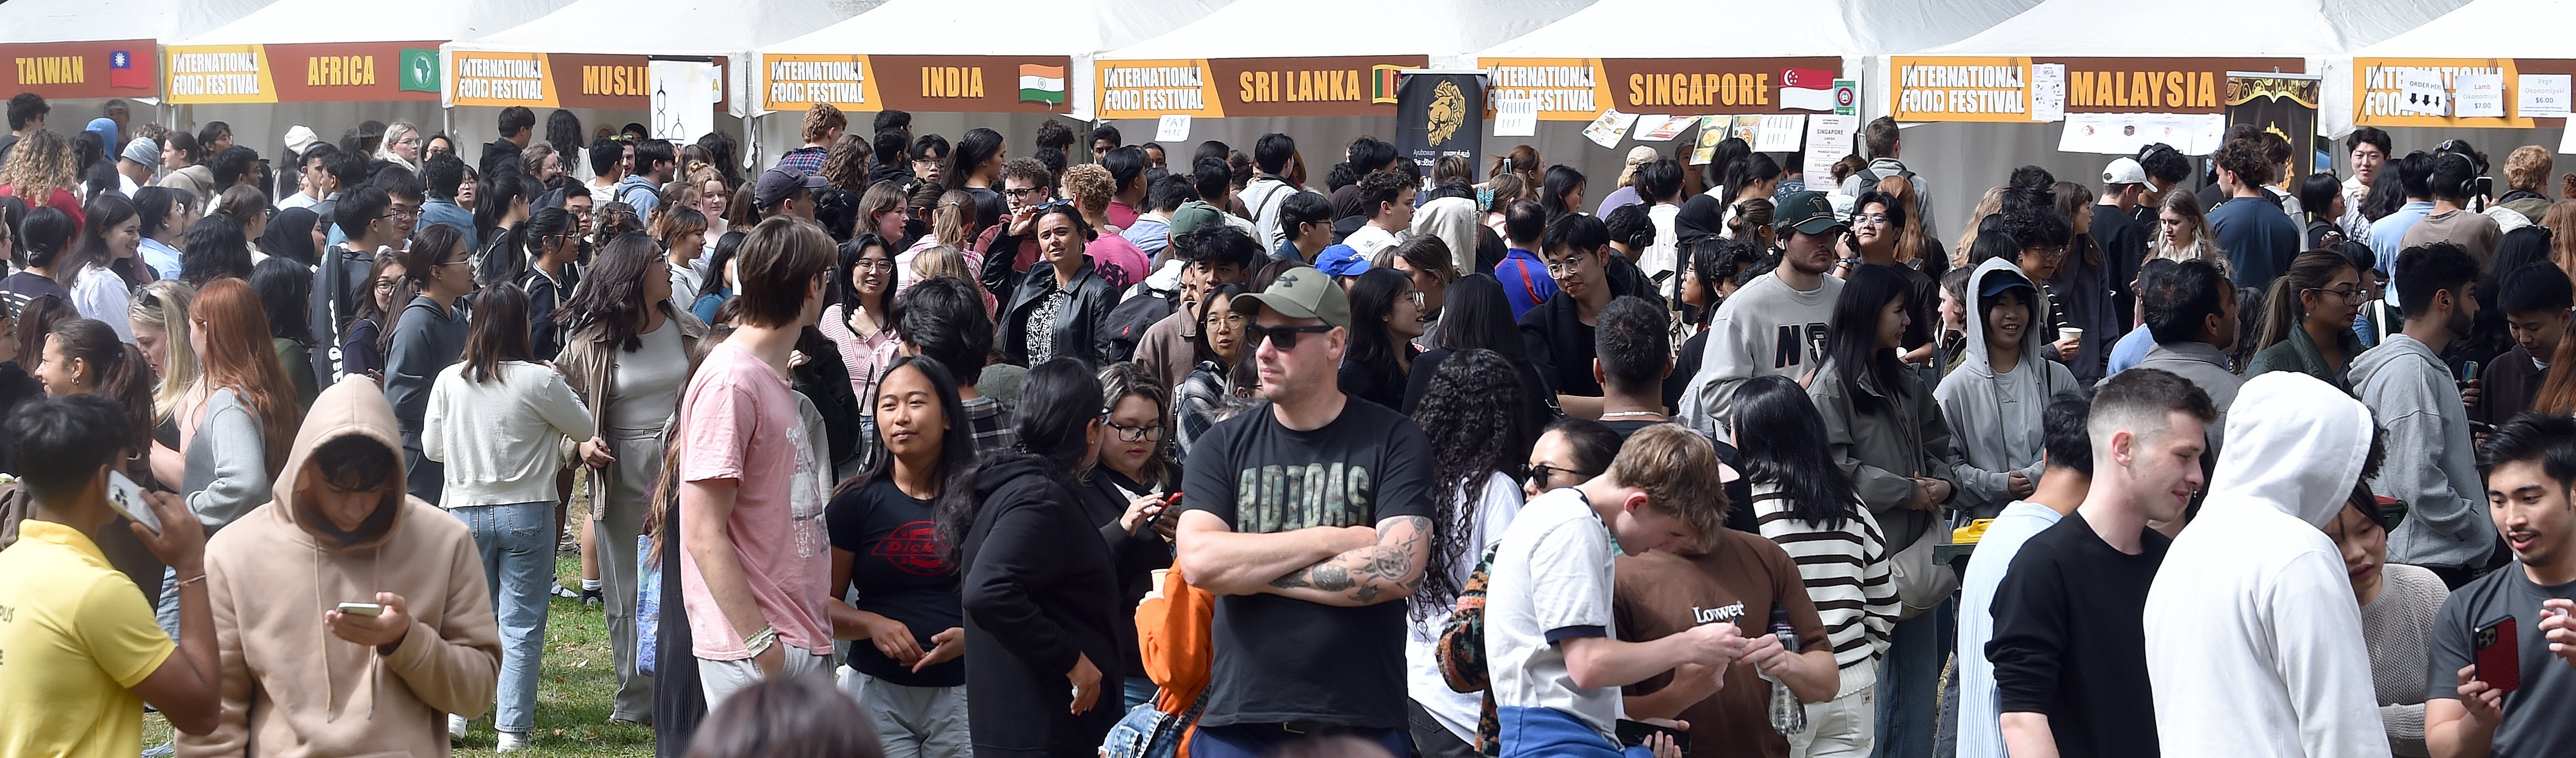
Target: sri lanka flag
[(1041, 84), (123, 73)]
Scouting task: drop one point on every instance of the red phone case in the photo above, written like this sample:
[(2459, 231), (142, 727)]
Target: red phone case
[(2500, 655)]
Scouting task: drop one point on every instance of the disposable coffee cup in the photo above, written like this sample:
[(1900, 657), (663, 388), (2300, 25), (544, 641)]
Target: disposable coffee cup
[(2069, 333)]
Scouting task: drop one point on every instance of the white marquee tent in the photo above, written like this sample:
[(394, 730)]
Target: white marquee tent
[(81, 20), (2482, 29)]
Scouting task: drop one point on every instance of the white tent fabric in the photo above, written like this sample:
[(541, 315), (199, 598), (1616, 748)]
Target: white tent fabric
[(1613, 29), (1451, 31), (1076, 28), (2485, 29), (305, 21), (83, 20), (676, 27)]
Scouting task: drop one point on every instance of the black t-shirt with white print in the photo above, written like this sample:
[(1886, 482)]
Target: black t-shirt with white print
[(1281, 660)]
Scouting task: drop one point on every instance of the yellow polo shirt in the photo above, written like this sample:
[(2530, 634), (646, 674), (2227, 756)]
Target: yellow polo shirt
[(76, 635)]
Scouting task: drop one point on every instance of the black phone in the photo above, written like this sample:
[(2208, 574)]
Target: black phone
[(2486, 186), (1634, 733)]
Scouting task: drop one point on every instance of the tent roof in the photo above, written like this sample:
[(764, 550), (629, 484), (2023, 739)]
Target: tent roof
[(300, 21), (999, 27), (2482, 29), (80, 20), (681, 27), (1612, 29), (1321, 28), (2198, 28)]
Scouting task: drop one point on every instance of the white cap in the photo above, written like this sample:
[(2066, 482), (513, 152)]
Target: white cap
[(298, 138), (2125, 171)]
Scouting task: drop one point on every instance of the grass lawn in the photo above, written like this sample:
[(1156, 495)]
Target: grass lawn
[(573, 693)]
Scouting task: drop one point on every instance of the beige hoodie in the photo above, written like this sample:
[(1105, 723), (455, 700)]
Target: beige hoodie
[(290, 686)]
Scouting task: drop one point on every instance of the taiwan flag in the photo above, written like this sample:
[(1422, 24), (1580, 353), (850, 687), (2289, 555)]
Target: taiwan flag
[(123, 71), (1808, 89)]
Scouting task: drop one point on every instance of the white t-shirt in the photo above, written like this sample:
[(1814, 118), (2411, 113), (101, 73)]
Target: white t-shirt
[(1369, 239), (1550, 581), (1495, 506)]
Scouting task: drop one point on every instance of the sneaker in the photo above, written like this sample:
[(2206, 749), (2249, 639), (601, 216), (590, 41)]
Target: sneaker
[(565, 593), (455, 725), (591, 598), (512, 742), (166, 750)]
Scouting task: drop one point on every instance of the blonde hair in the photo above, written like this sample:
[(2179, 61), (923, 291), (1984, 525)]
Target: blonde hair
[(165, 304), (1678, 470), (1090, 187), (41, 164), (1989, 205), (948, 221), (941, 260)]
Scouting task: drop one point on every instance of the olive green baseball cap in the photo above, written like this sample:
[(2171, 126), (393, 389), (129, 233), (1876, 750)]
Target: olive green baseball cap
[(1809, 212), (1301, 292)]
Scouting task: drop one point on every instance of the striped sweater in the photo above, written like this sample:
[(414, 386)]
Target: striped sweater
[(1846, 571)]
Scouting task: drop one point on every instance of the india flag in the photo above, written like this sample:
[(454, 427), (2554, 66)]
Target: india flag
[(1041, 84)]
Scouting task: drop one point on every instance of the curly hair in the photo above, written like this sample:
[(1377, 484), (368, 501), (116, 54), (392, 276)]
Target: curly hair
[(1089, 187), (846, 165), (1472, 415), (41, 164)]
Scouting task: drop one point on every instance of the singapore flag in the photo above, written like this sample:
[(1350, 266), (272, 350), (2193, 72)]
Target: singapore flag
[(1810, 89)]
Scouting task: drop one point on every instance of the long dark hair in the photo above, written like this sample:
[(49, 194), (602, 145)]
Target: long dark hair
[(122, 374), (1473, 417), (852, 252), (1475, 316), (563, 131), (971, 152), (103, 213), (499, 333), (214, 247), (285, 289), (1372, 346), (1791, 452), (1561, 181), (611, 293), (956, 440), (1059, 402), (1852, 344)]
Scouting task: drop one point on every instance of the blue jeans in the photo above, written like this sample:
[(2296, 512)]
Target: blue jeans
[(1909, 682), (518, 549), (1138, 691)]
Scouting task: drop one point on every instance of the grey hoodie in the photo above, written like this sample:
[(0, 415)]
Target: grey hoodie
[(2251, 629), (1996, 417), (2430, 467)]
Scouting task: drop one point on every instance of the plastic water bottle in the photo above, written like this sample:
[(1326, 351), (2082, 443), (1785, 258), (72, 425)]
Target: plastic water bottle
[(1788, 716)]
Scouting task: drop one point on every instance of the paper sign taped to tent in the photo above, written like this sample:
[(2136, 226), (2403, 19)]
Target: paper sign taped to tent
[(681, 90), (1609, 127), (2541, 96), (1515, 117), (2478, 95), (1712, 130), (1173, 127), (1663, 128), (2048, 92), (2424, 93), (1781, 133), (1829, 138)]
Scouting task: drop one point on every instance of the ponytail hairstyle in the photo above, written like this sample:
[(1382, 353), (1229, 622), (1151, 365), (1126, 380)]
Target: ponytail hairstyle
[(1058, 413), (2283, 309), (1752, 219), (46, 235), (118, 371), (239, 357)]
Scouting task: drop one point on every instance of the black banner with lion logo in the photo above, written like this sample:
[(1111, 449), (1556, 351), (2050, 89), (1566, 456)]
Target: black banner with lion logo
[(1439, 115)]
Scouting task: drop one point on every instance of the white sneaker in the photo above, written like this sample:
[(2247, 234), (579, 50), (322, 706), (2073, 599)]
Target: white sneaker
[(455, 725), (513, 742)]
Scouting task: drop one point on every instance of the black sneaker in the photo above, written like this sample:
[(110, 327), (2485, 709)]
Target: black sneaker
[(590, 598)]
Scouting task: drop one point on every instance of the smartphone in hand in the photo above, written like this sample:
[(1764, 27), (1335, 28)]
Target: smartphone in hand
[(2499, 654), (1634, 733), (362, 609), (127, 498)]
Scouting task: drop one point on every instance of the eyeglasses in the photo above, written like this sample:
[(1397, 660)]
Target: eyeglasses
[(1136, 433), (880, 265), (1565, 264), (1869, 218), (1228, 319), (1281, 337), (1416, 297), (1025, 191), (1546, 472), (2352, 296)]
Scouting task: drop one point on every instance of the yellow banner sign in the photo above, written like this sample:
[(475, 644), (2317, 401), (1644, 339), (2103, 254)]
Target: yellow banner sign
[(796, 81), (500, 80), (219, 74), (1567, 89), (1959, 88), (1151, 88), (2378, 87)]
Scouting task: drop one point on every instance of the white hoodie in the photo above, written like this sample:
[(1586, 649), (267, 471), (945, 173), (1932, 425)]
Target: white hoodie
[(2253, 636)]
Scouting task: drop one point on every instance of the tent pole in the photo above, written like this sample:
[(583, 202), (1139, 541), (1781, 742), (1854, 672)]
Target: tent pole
[(447, 122)]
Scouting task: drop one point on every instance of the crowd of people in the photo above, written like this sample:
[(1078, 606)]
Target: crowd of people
[(914, 447)]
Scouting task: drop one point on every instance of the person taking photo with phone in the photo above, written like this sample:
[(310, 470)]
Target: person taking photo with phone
[(334, 651), (83, 652), (2492, 690)]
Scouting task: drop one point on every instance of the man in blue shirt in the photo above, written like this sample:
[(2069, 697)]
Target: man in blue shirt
[(2259, 239), (2388, 234), (1525, 279)]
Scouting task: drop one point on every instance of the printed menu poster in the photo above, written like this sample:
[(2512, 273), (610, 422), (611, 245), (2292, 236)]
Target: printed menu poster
[(1664, 127), (1516, 117), (1712, 130), (2541, 96), (1780, 133), (1611, 125)]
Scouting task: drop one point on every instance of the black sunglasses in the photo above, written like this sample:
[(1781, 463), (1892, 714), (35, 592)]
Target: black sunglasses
[(1280, 337), (1543, 472)]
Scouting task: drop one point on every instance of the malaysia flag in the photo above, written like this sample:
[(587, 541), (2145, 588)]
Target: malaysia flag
[(123, 73), (1810, 89)]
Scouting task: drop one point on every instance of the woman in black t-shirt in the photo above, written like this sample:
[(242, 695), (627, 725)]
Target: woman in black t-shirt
[(905, 669), (1386, 314), (1126, 497)]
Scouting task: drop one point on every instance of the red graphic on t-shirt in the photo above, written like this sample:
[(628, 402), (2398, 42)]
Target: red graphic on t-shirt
[(913, 548)]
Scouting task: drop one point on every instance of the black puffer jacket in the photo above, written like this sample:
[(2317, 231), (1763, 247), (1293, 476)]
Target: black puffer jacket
[(1078, 327), (1037, 599)]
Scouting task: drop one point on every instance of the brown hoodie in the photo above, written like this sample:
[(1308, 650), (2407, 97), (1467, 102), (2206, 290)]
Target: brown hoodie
[(290, 686)]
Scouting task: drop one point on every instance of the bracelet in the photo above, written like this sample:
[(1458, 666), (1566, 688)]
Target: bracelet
[(193, 580), (761, 641)]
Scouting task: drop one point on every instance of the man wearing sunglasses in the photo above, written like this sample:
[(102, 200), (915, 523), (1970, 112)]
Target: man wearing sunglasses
[(1309, 515)]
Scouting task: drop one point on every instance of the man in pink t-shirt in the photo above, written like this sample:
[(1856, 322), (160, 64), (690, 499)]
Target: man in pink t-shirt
[(753, 563)]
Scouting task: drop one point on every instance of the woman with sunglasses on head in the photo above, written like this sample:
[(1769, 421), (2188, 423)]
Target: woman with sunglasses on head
[(551, 278), (79, 356), (2307, 320), (628, 351), (1386, 314), (1126, 493), (1056, 310), (428, 336)]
